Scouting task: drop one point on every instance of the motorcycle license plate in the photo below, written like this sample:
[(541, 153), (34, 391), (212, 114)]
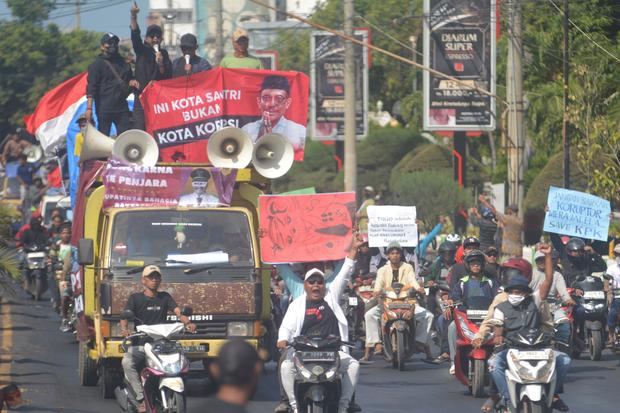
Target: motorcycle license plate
[(318, 356), (195, 349), (352, 300), (35, 255), (476, 314), (594, 295), (532, 355)]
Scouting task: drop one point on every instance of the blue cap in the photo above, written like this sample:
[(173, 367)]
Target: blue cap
[(519, 282)]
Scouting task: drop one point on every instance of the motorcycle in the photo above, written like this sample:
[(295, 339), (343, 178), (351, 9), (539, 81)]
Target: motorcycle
[(353, 308), (531, 372), (166, 364), (471, 364), (35, 270), (616, 330), (594, 301), (317, 382), (398, 325)]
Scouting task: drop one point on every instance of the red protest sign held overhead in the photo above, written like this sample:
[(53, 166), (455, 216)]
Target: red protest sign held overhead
[(306, 228), (182, 113)]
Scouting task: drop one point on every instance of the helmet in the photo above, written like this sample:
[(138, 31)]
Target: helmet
[(454, 238), (515, 267), (518, 282), (446, 246), (471, 242), (475, 255), (575, 244)]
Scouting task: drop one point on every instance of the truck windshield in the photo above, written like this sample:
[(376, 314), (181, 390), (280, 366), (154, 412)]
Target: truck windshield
[(181, 238)]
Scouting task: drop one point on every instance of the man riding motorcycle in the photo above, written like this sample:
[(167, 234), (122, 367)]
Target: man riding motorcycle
[(35, 235), (578, 261), (396, 271), (613, 273), (67, 256), (523, 311), (475, 291), (458, 270), (318, 313), (438, 272), (149, 307)]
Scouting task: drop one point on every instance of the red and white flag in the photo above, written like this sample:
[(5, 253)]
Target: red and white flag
[(55, 110)]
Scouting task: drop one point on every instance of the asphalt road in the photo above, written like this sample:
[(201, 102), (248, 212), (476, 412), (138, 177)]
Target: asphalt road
[(43, 362)]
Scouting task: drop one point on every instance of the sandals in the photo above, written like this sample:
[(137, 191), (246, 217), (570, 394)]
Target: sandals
[(378, 350), (488, 406)]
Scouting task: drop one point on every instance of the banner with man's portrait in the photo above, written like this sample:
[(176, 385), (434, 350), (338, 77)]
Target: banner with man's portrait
[(133, 186), (182, 113)]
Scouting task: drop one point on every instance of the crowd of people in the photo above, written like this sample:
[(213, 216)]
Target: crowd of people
[(111, 79)]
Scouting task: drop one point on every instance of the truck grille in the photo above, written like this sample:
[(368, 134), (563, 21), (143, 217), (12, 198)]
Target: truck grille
[(212, 329)]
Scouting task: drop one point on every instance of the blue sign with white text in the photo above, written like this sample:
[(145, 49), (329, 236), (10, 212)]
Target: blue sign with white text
[(577, 214)]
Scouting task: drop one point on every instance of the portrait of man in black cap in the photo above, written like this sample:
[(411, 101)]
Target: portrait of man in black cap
[(190, 62), (152, 61), (200, 195), (273, 102)]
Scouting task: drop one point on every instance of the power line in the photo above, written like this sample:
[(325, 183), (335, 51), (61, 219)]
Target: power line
[(586, 34)]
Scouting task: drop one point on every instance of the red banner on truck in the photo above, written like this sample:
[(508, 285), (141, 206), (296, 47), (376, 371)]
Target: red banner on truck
[(306, 228), (182, 113)]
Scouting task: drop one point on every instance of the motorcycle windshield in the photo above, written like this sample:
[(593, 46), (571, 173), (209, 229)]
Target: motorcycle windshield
[(159, 331), (591, 284)]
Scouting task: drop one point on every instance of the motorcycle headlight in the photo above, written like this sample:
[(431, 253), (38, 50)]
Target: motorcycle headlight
[(172, 363), (534, 370), (466, 330), (239, 329), (588, 306), (599, 306)]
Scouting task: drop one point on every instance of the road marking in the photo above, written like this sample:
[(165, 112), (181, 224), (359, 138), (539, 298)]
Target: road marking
[(6, 341)]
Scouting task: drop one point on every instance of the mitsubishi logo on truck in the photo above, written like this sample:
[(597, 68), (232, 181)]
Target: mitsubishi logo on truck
[(195, 317)]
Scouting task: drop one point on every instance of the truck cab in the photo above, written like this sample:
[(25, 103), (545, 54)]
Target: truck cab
[(209, 259)]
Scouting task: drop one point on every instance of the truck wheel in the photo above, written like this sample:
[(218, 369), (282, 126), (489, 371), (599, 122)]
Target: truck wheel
[(400, 353), (596, 345), (87, 366), (110, 379), (477, 383)]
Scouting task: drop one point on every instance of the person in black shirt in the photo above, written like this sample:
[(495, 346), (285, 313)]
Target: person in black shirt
[(152, 62), (236, 371), (149, 307), (181, 67), (110, 81)]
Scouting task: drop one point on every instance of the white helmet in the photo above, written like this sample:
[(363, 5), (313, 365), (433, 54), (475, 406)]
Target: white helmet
[(456, 238)]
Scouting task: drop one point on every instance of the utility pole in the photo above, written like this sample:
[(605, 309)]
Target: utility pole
[(565, 137), (350, 156), (77, 15), (219, 29), (514, 86)]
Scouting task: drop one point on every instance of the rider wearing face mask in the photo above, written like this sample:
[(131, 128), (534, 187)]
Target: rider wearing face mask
[(523, 311), (110, 81)]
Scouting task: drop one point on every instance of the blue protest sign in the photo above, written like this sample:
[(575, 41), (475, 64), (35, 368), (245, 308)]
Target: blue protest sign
[(577, 214)]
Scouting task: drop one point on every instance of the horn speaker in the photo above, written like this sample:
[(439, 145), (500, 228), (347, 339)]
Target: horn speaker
[(136, 147), (230, 147), (34, 153), (96, 144), (273, 155)]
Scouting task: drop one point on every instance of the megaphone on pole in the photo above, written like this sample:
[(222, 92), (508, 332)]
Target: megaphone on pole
[(230, 147), (273, 155), (136, 147), (96, 145)]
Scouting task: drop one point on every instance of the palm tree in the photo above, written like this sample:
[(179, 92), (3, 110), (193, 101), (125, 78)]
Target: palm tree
[(9, 267)]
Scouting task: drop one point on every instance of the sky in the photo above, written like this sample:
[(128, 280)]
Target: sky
[(111, 15)]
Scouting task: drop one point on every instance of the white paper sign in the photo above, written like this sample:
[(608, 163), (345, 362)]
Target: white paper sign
[(388, 223)]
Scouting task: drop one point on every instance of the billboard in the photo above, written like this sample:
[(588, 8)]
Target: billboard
[(327, 86), (459, 41)]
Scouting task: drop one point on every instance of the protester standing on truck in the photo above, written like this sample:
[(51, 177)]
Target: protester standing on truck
[(149, 307), (190, 62), (241, 59), (110, 81), (152, 61)]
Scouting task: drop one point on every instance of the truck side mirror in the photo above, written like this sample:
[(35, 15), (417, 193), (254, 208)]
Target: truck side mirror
[(127, 315), (86, 254), (187, 311)]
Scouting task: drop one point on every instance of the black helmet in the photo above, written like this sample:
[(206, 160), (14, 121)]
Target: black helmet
[(575, 244), (474, 255), (471, 242), (446, 246)]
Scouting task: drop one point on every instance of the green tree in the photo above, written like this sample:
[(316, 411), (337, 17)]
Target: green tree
[(433, 193), (33, 11)]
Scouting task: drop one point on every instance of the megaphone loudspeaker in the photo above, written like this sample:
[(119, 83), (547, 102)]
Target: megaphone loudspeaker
[(136, 147), (230, 148), (96, 145), (273, 155)]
